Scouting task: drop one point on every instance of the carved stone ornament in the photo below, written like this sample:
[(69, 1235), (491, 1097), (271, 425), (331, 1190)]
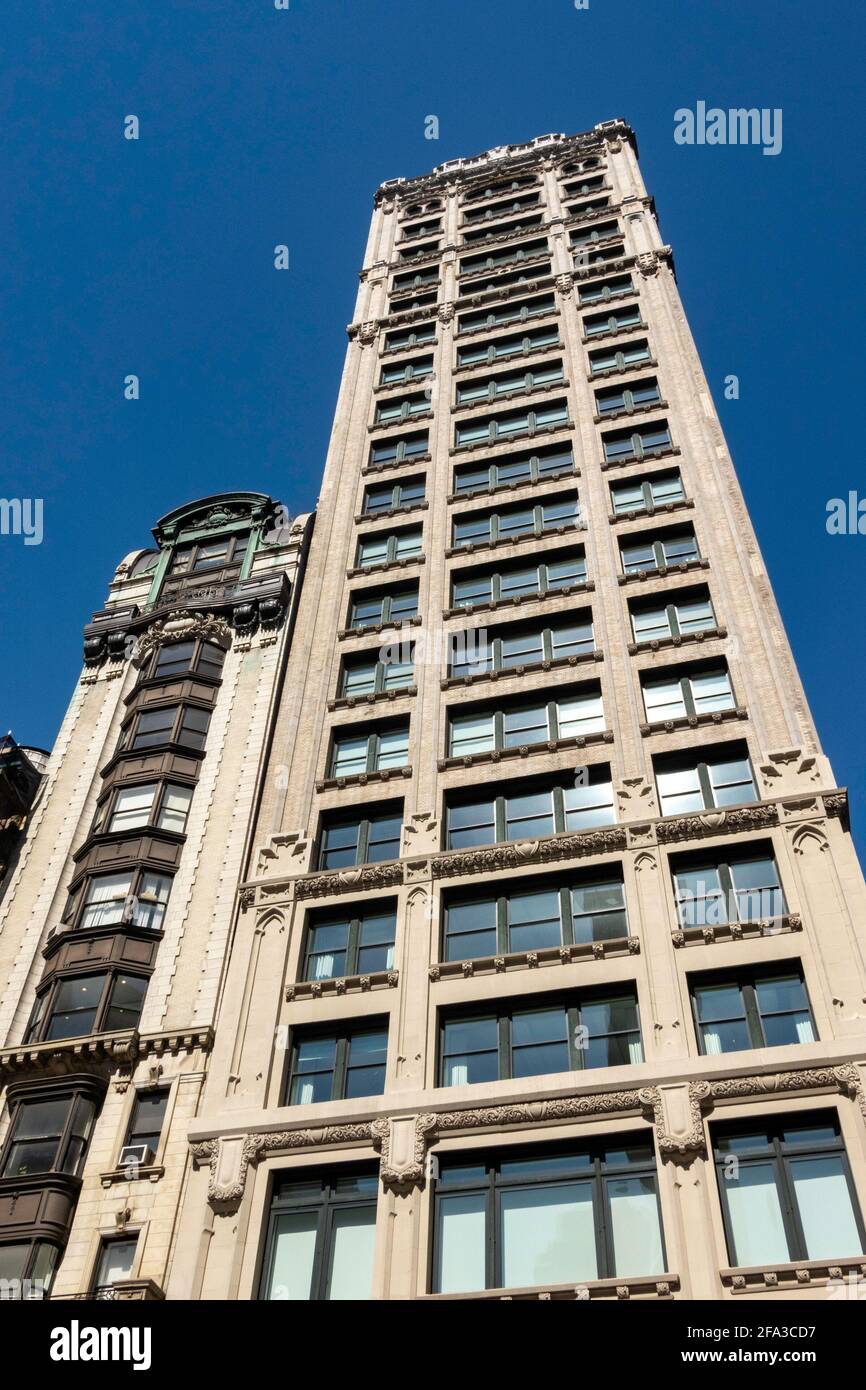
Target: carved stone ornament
[(445, 312), (182, 624), (565, 284), (402, 1144), (368, 332), (648, 264)]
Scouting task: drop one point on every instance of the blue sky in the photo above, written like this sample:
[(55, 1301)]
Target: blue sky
[(155, 257)]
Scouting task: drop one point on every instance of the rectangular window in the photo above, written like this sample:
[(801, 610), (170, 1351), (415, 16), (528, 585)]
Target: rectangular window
[(644, 556), (509, 255), (562, 914), (647, 494), (387, 549), (406, 371), (408, 493), (502, 585), (85, 1004), (512, 312), (145, 1127), (370, 752), (517, 468), (515, 345), (789, 1195), (370, 676), (519, 647), (396, 450), (657, 622), (494, 429), (677, 697), (533, 1218), (338, 1065), (352, 839), (741, 890), (619, 360), (321, 1236), (479, 732), (683, 786), (389, 412), (165, 805), (492, 527), (636, 396), (116, 1260), (531, 812), (368, 609), (538, 1040), (509, 382), (359, 943), (620, 446), (410, 337), (612, 288), (765, 1007)]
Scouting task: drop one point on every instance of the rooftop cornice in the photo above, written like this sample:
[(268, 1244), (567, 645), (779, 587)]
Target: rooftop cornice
[(505, 158)]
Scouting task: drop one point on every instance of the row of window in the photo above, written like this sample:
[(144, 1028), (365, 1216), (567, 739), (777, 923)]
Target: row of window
[(570, 1213), (618, 446), (517, 723)]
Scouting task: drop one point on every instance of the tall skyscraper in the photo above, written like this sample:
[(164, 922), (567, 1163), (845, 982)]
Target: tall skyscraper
[(515, 946)]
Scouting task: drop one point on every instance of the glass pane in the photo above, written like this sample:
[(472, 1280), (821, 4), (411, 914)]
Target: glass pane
[(132, 807), (460, 1245), (533, 921), (528, 816), (115, 1262), (679, 792), (294, 1246), (637, 1237), (539, 1043), (470, 930), (756, 1216), (471, 733), (353, 1240), (175, 808), (125, 1001), (547, 1235), (470, 1051), (149, 906), (826, 1213), (586, 807)]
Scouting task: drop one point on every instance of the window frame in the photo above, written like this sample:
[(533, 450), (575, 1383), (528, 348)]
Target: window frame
[(163, 786), (705, 784), (553, 717), (392, 555), (364, 823), (44, 1009), (685, 680), (76, 1098), (540, 526), (672, 616), (542, 589), (374, 748), (497, 802), (529, 427), (730, 894), (200, 644), (130, 730), (503, 945), (745, 978), (536, 473), (342, 1034), (660, 559), (328, 1201)]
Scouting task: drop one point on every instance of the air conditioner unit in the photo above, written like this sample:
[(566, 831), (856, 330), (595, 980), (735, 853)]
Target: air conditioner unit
[(136, 1156)]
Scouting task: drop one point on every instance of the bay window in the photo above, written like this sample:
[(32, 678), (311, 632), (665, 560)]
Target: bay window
[(104, 1002), (186, 725), (161, 804), (135, 896), (50, 1131)]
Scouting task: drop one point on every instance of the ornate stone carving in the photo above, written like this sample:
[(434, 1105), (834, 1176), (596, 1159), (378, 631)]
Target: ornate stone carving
[(565, 285), (402, 1144), (182, 623), (350, 880), (697, 827), (509, 856), (445, 312)]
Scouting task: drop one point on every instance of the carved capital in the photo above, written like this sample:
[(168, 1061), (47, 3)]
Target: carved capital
[(402, 1143)]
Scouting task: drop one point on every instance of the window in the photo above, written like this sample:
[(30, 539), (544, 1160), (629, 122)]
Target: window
[(407, 371), (637, 396), (354, 839), (581, 209), (496, 210), (209, 556), (48, 1135), (623, 445), (514, 312), (530, 812), (516, 345), (321, 1236), (549, 374), (563, 914), (677, 548), (610, 360), (340, 1064), (408, 493), (486, 731), (387, 549), (538, 1039), (176, 658), (678, 697), (758, 1008), (183, 724), (417, 336), (789, 1196), (145, 1127), (543, 1216), (618, 322), (135, 896), (517, 468), (725, 779), (359, 943), (475, 195), (369, 609), (354, 753), (571, 190), (487, 528), (391, 411), (163, 804), (370, 675), (611, 288), (645, 494), (26, 1270), (421, 229), (102, 1003), (116, 1258), (414, 252), (599, 231), (502, 585), (742, 890), (655, 623), (395, 450), (499, 427), (529, 250), (516, 227), (416, 280), (513, 647)]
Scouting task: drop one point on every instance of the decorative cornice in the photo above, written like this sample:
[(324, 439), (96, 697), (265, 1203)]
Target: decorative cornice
[(386, 875)]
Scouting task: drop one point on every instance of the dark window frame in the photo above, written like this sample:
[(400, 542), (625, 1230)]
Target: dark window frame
[(200, 645), (745, 978), (396, 495), (355, 921), (536, 472), (326, 1202), (497, 803), (730, 893), (546, 633), (364, 822), (501, 902), (387, 604), (343, 1034), (374, 747), (76, 1098), (543, 587), (44, 1005), (175, 728), (495, 520), (380, 669)]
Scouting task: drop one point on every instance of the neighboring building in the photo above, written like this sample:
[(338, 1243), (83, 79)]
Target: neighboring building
[(116, 919), (536, 943), (21, 771)]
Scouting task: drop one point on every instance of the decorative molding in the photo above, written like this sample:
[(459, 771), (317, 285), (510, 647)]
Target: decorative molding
[(403, 1165)]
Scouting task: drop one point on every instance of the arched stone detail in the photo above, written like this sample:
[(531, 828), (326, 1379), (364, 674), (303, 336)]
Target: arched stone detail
[(808, 839)]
